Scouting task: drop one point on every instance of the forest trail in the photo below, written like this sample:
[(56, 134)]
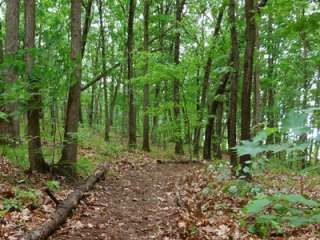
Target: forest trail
[(136, 201)]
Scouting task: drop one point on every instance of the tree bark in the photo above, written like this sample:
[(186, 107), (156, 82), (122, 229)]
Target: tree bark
[(234, 78), (206, 82), (9, 128), (36, 158), (250, 39), (176, 82), (132, 107), (218, 131), (146, 121), (212, 113), (105, 85), (70, 144)]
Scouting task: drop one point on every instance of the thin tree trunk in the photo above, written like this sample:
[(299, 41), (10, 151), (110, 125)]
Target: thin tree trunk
[(86, 28), (132, 107), (206, 82), (68, 159), (257, 90), (234, 78), (212, 113), (104, 67), (146, 121), (218, 132), (91, 107), (113, 102), (176, 82), (36, 158)]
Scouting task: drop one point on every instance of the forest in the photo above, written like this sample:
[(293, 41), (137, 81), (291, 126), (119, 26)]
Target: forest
[(159, 119)]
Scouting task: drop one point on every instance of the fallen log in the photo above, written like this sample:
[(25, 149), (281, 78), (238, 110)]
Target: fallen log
[(65, 207), (180, 162)]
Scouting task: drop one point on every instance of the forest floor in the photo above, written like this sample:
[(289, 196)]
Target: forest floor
[(135, 201), (144, 198)]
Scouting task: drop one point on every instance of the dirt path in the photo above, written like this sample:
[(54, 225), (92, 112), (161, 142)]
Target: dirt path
[(137, 201)]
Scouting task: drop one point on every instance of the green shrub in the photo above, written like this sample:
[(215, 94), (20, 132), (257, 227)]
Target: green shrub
[(266, 213)]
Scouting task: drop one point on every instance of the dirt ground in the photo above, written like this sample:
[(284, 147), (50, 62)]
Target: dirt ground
[(135, 201)]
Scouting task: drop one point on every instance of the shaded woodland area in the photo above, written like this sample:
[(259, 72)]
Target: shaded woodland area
[(214, 104)]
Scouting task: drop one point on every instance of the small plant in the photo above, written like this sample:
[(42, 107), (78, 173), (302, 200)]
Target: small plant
[(53, 185), (242, 188), (266, 214)]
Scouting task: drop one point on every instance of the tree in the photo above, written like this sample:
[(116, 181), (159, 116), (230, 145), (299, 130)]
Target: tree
[(36, 158), (176, 82), (9, 127), (104, 67), (250, 39), (132, 107), (206, 82), (234, 78), (146, 121), (70, 145)]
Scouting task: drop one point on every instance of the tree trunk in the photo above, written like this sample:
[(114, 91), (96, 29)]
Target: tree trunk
[(9, 128), (176, 82), (113, 101), (234, 78), (91, 107), (218, 132), (257, 90), (212, 113), (104, 68), (206, 83), (146, 121), (36, 159), (132, 107), (70, 145), (250, 39)]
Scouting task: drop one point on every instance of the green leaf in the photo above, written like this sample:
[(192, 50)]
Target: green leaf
[(256, 206)]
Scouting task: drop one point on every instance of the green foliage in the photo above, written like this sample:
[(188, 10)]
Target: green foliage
[(242, 188), (53, 185), (17, 154), (266, 213), (84, 166), (21, 199)]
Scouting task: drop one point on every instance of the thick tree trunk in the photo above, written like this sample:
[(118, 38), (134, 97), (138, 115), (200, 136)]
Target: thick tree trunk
[(234, 78), (104, 67), (36, 159), (206, 83), (70, 145), (9, 129), (146, 121), (250, 39), (176, 82), (132, 106)]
